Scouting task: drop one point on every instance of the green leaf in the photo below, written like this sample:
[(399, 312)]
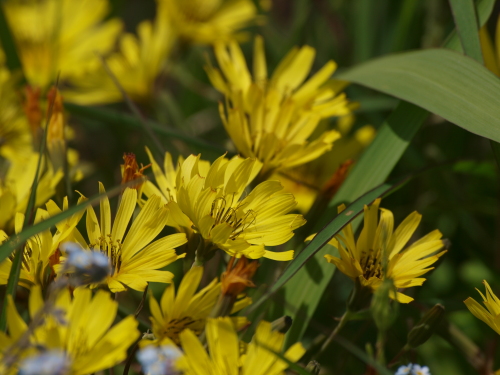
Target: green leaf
[(325, 235), (113, 117), (443, 82), (465, 17)]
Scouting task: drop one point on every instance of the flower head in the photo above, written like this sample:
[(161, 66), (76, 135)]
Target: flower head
[(86, 337), (225, 357), (187, 309), (60, 37), (137, 64), (273, 119), (40, 250), (135, 257), (205, 22), (379, 246), (491, 313), (226, 219)]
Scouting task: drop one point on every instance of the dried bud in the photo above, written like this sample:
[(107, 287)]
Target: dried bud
[(426, 326), (56, 143), (53, 362), (32, 109), (236, 279), (131, 170), (85, 267), (334, 183), (159, 360)]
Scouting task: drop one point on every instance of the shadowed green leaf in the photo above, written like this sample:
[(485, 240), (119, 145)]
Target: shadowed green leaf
[(465, 17)]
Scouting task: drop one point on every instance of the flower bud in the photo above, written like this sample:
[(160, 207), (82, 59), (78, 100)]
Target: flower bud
[(384, 312), (313, 367), (426, 326), (131, 171)]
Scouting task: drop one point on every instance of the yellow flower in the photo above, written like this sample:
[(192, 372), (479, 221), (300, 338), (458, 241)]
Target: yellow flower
[(225, 357), (166, 188), (41, 251), (85, 336), (491, 49), (273, 119), (137, 65), (15, 136), (378, 244), (323, 175), (491, 313), (240, 225), (207, 21), (15, 188), (188, 309), (135, 258), (60, 36)]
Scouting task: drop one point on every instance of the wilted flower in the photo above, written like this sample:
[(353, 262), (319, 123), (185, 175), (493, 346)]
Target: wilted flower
[(159, 360), (52, 362), (85, 267)]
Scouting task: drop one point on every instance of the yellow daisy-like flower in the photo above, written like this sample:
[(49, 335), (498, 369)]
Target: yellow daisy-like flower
[(225, 357), (85, 336), (16, 187), (136, 66), (491, 48), (188, 309), (491, 313), (322, 175), (41, 251), (207, 21), (15, 136), (379, 243), (273, 119), (240, 225), (135, 258), (60, 36)]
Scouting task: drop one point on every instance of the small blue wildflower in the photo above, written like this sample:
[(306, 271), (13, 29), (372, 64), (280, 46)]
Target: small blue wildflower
[(85, 267), (412, 369), (53, 362), (159, 360)]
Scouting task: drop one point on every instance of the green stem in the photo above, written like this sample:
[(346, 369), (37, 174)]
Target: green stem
[(345, 318)]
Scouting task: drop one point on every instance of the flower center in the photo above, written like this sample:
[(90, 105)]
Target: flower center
[(371, 263), (176, 326), (223, 212), (111, 248)]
